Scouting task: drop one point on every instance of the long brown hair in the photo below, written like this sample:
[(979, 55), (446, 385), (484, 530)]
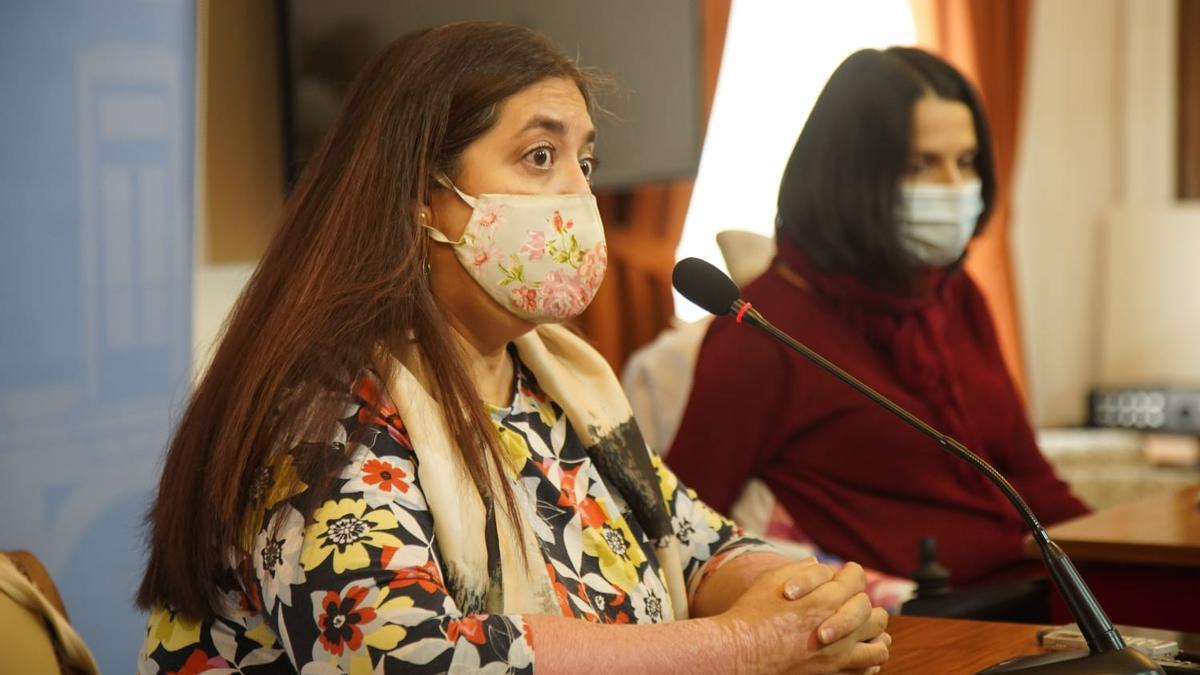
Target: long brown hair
[(343, 277)]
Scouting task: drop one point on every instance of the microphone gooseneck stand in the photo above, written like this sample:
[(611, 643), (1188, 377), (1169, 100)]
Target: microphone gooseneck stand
[(1107, 650)]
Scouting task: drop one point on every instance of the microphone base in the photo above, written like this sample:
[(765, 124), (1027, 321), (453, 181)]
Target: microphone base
[(1126, 661)]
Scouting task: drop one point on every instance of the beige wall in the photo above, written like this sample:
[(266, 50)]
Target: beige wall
[(216, 290), (1150, 320), (1100, 246)]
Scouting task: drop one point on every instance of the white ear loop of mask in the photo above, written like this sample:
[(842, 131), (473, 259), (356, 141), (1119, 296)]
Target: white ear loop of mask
[(436, 234)]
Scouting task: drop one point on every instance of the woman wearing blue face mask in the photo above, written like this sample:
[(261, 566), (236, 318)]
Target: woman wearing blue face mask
[(399, 462), (888, 183)]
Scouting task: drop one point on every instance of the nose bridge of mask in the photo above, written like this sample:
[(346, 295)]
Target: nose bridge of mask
[(555, 200)]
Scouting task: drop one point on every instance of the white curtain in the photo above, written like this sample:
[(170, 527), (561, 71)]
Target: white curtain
[(778, 55)]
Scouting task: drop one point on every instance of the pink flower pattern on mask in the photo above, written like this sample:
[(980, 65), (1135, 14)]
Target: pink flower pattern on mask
[(563, 295), (595, 262), (489, 220), (559, 225), (525, 298), (486, 255), (535, 248)]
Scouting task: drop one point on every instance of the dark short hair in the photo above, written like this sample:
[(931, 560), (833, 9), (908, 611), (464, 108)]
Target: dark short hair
[(840, 190)]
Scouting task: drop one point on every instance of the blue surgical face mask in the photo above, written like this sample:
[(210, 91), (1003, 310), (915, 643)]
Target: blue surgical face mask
[(937, 221)]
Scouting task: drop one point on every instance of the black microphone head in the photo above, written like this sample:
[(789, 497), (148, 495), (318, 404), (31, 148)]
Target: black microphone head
[(705, 285)]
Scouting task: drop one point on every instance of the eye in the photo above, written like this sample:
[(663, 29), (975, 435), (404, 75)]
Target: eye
[(541, 157), (967, 161), (588, 166)]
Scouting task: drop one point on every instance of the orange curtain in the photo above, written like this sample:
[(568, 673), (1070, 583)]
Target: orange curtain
[(643, 227), (986, 40), (1189, 100)]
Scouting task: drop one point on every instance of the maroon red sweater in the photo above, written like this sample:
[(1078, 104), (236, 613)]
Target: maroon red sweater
[(861, 483)]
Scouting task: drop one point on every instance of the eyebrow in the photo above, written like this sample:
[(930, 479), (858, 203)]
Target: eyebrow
[(554, 126), (933, 153)]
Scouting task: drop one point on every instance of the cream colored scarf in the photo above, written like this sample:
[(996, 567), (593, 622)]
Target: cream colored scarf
[(579, 380)]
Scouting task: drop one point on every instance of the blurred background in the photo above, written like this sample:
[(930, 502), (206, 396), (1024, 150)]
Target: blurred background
[(146, 147)]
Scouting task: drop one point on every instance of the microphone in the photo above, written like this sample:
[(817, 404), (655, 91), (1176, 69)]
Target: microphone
[(712, 290)]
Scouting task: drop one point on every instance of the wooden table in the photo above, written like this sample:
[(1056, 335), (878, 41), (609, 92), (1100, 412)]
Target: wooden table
[(926, 645), (1140, 558), (1160, 530)]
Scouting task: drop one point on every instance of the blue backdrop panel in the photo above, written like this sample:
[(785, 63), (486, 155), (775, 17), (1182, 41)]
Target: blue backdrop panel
[(96, 150)]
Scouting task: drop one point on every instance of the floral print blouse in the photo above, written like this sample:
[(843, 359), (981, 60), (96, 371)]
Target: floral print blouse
[(358, 586)]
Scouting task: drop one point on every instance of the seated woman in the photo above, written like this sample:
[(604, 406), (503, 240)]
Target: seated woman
[(397, 462), (889, 181)]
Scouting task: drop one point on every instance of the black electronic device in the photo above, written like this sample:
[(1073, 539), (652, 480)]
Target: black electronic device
[(1151, 408)]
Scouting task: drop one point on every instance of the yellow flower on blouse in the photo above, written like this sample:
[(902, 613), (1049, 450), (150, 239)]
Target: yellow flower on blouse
[(286, 483), (262, 634), (614, 546), (276, 481), (546, 412), (667, 482), (172, 631), (345, 529), (516, 450), (390, 609)]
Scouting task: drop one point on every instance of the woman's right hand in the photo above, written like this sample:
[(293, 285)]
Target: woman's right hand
[(806, 618)]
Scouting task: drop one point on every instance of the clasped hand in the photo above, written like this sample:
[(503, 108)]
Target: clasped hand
[(805, 617)]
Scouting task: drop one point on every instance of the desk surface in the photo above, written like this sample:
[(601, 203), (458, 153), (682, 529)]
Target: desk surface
[(1162, 529), (926, 645)]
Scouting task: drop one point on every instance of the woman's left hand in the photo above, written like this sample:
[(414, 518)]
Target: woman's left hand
[(851, 615), (855, 623)]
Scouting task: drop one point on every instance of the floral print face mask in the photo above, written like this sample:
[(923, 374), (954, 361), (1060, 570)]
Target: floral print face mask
[(542, 257)]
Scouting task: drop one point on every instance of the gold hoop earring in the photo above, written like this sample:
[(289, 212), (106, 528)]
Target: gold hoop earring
[(423, 221)]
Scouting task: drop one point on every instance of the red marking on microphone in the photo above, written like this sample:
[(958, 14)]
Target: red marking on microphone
[(742, 312)]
